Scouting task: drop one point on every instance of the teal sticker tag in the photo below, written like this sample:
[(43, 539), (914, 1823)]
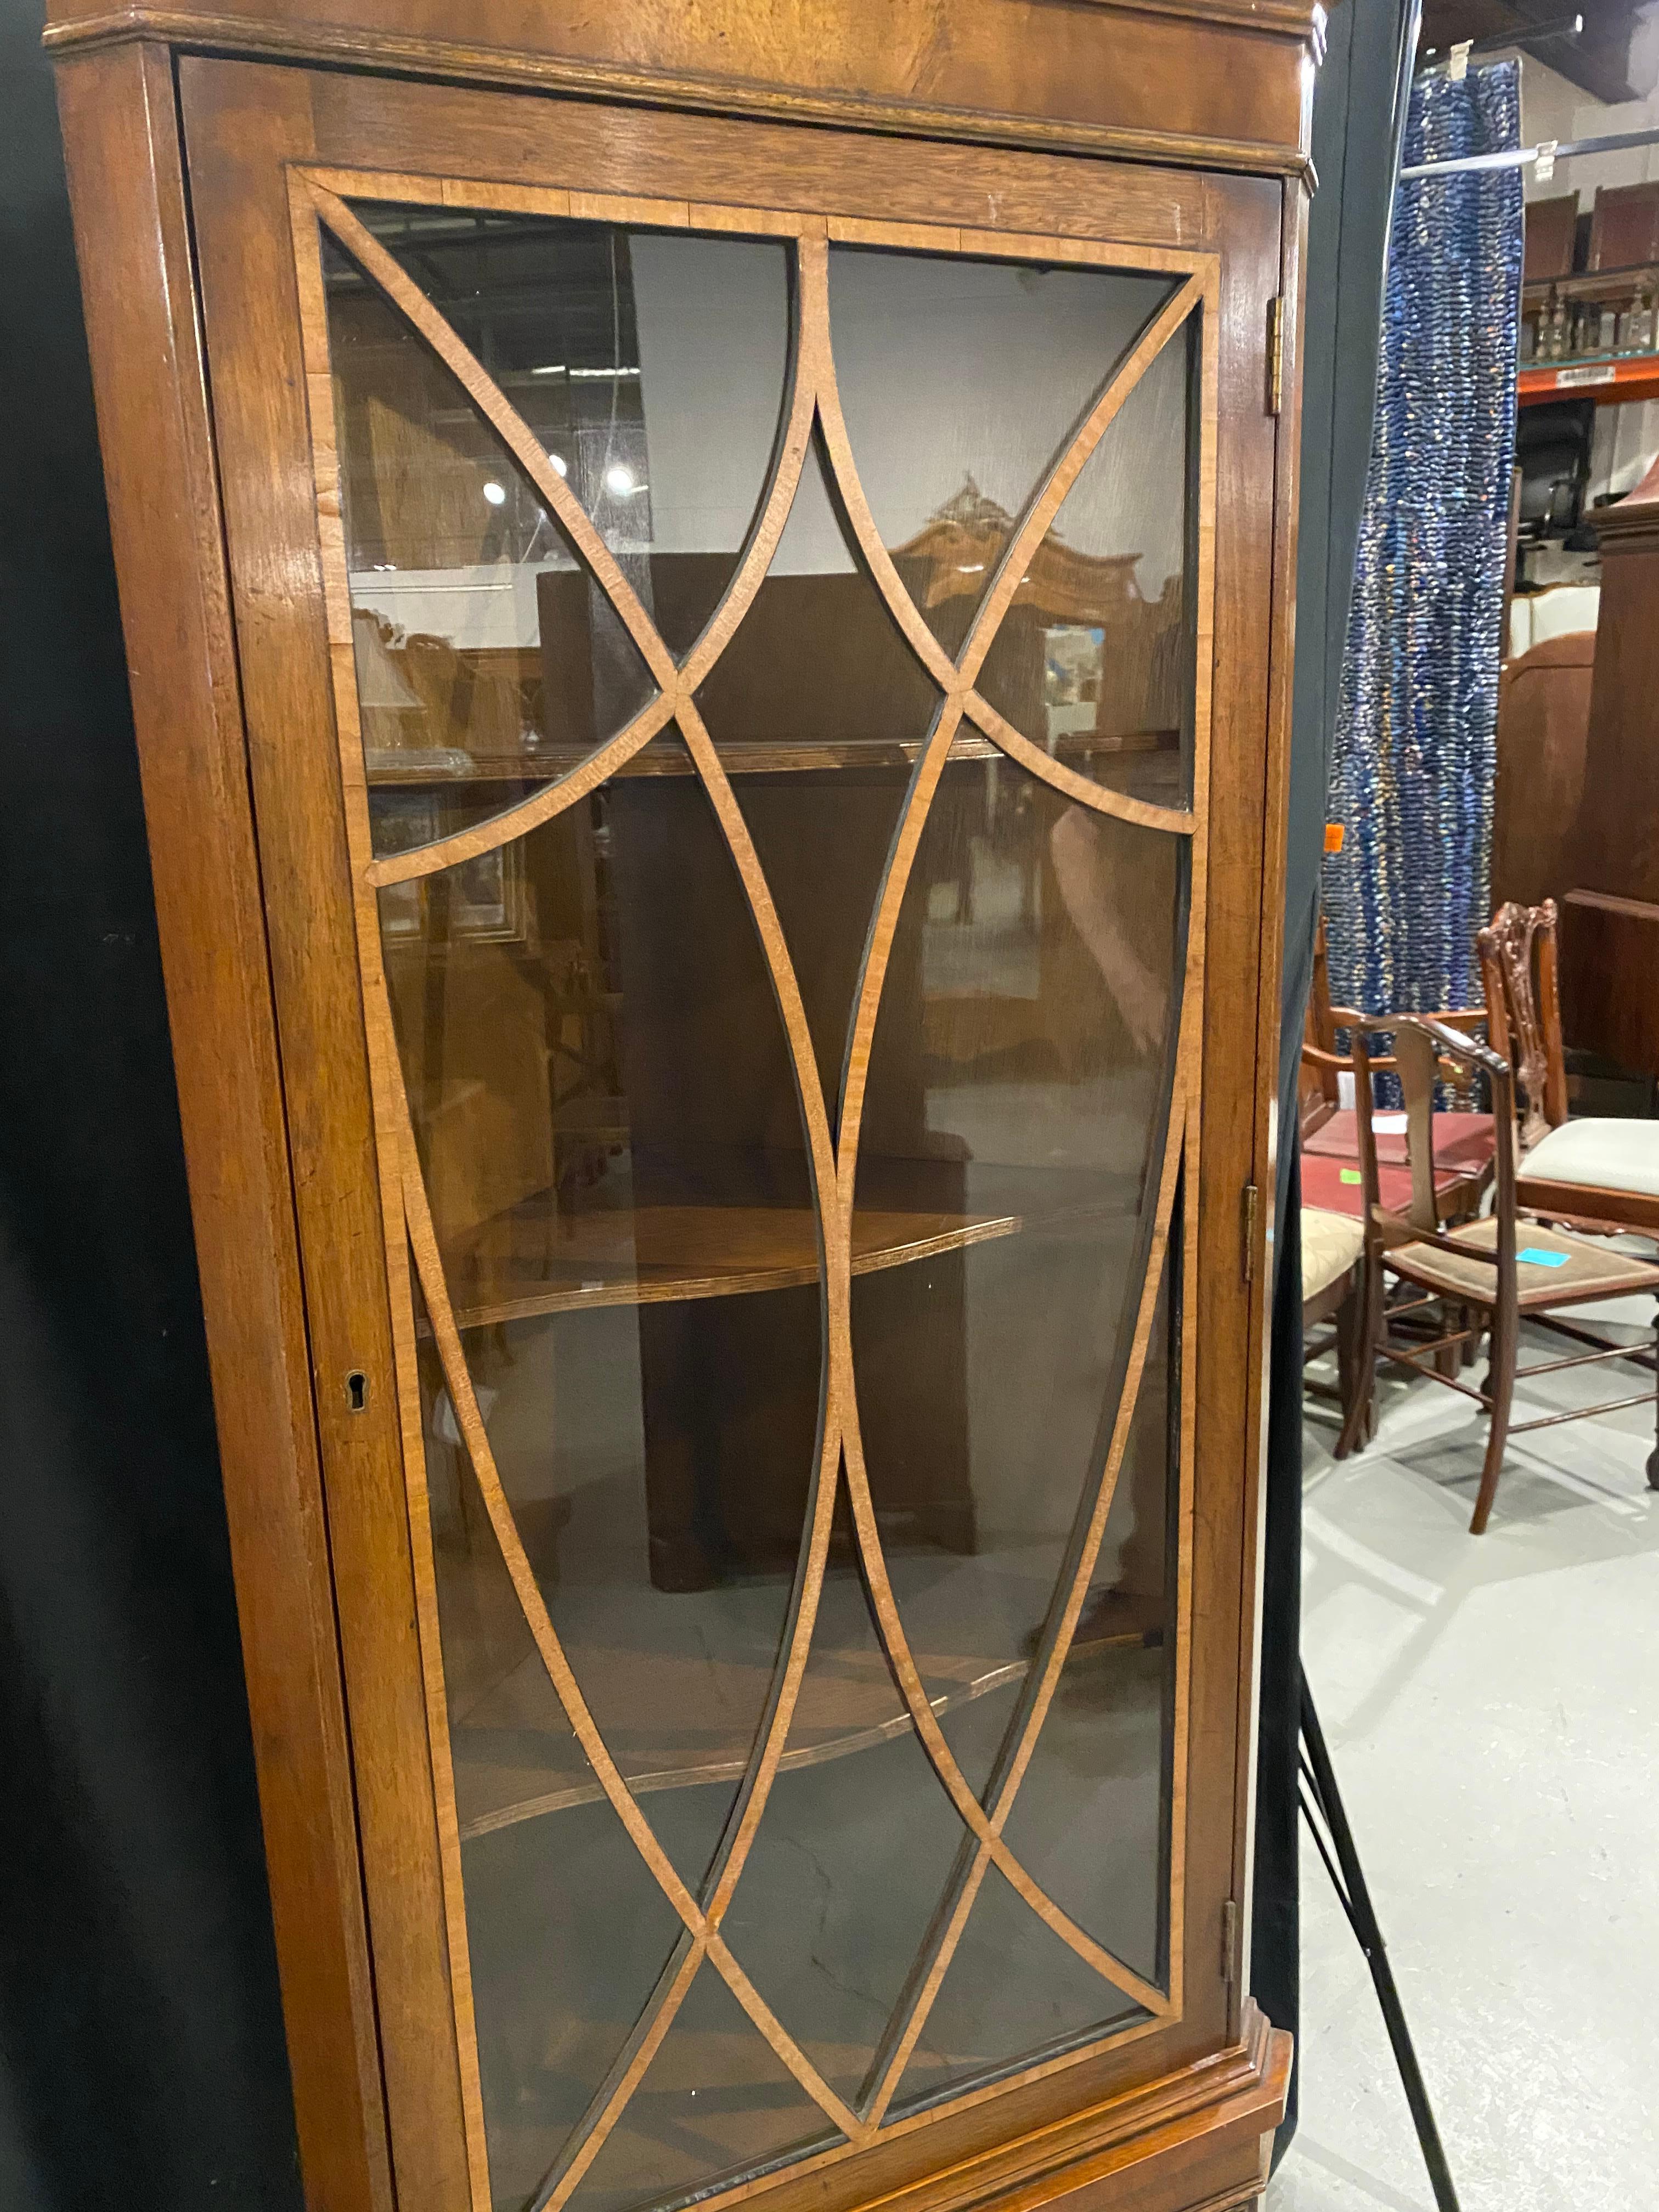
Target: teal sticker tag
[(1536, 1256), (1351, 1175)]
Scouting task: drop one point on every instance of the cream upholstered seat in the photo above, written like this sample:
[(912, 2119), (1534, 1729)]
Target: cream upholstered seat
[(1606, 1153), (1331, 1244)]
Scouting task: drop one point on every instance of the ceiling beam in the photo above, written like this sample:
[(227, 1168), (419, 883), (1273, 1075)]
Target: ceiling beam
[(1597, 61)]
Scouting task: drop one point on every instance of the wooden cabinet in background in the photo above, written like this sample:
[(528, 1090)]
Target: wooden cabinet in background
[(1551, 228), (1624, 226), (1610, 917), (708, 608), (1543, 727)]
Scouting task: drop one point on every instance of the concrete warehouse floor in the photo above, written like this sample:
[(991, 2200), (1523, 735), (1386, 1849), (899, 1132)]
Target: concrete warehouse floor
[(1492, 1708)]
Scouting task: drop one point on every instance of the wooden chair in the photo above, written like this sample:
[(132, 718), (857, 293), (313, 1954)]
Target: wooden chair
[(1334, 1290), (1600, 1172), (1330, 1141), (1491, 1274)]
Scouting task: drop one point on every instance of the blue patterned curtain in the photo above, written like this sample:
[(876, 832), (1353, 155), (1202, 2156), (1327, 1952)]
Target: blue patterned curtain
[(1415, 746)]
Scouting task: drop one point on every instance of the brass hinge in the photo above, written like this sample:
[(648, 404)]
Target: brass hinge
[(1248, 1200), (1229, 1941), (1275, 353)]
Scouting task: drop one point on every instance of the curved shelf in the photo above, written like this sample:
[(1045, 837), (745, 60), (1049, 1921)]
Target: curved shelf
[(491, 1795), (747, 757), (656, 1254)]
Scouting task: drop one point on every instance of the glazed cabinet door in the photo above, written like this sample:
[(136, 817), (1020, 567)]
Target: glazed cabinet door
[(755, 648)]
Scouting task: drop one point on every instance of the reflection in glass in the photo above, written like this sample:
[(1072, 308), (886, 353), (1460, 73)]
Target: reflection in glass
[(607, 1121), (1013, 1993), (852, 1852), (609, 1129), (715, 2101), (1020, 1076), (487, 661), (819, 707), (1000, 361), (568, 1905), (1091, 1824), (1093, 660), (651, 366), (488, 657)]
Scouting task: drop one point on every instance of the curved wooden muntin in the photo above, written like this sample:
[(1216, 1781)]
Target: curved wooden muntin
[(318, 196)]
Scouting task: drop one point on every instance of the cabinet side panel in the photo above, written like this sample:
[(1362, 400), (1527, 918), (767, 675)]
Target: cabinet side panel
[(250, 313), (1268, 1136), (121, 141), (1235, 1083)]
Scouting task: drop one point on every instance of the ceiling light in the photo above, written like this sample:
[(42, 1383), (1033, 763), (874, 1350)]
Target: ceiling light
[(549, 369), (495, 493), (561, 466), (619, 479)]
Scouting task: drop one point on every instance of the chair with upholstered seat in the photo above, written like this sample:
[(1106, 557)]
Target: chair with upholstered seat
[(1490, 1274), (1330, 1141), (1602, 1171), (1333, 1289)]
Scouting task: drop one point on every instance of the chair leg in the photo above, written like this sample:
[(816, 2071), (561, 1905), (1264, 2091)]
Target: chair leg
[(1347, 1364), (1356, 1358), (1653, 1456), (1500, 1390)]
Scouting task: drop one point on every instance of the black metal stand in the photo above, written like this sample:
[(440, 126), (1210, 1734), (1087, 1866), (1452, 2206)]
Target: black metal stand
[(1321, 1802)]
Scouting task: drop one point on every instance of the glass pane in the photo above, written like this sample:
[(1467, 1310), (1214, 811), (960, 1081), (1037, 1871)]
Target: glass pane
[(650, 366), (1090, 1822), (714, 2099), (852, 1852), (1012, 1993), (565, 1903), (961, 381), (1019, 1084), (1094, 660), (819, 707), (609, 1129), (487, 660)]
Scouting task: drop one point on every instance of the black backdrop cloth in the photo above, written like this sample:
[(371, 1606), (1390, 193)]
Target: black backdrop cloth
[(1358, 117), (141, 2063)]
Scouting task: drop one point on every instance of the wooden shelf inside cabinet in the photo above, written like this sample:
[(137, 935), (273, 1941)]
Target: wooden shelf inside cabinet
[(657, 1255), (549, 764), (534, 1259), (515, 1758)]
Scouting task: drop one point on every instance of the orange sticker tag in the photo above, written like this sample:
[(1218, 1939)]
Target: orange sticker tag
[(1335, 834)]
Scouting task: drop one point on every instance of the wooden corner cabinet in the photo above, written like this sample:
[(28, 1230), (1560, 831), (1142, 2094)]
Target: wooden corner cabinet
[(708, 599)]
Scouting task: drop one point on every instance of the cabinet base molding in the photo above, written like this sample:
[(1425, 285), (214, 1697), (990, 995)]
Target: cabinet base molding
[(1199, 2140)]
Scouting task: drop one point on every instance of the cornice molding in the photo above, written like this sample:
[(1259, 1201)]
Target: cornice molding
[(392, 53)]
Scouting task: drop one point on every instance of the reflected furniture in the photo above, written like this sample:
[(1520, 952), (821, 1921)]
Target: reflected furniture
[(707, 604), (1610, 914), (1487, 1275), (1597, 1171)]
